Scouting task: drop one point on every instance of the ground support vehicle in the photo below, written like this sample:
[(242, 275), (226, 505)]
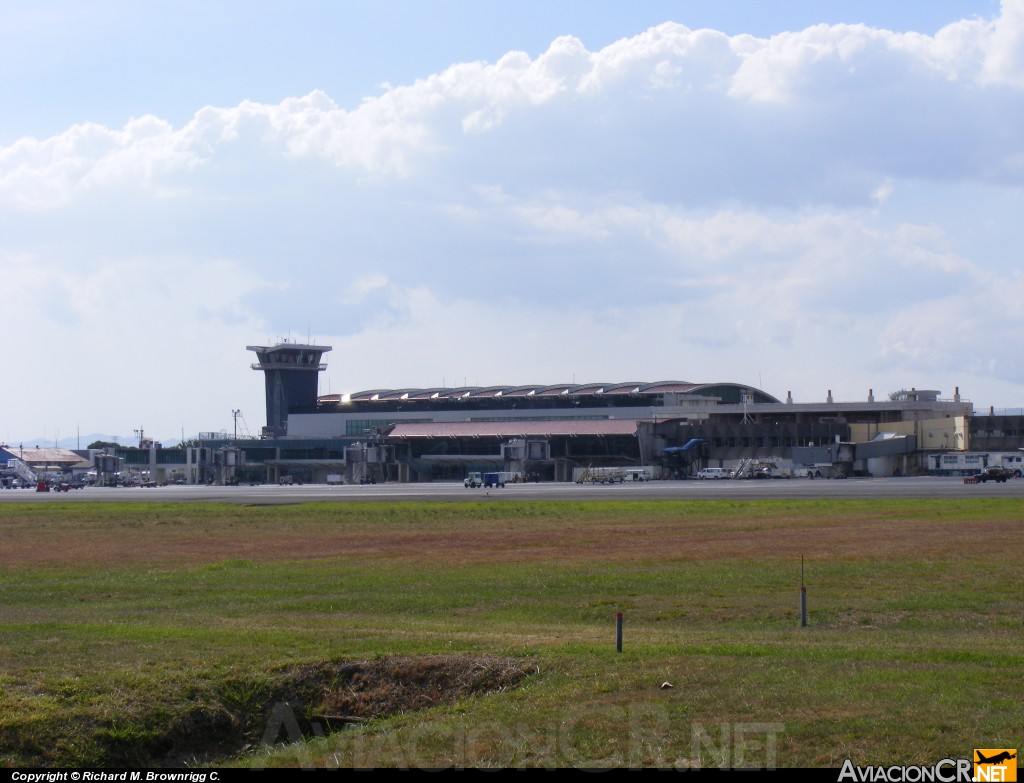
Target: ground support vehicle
[(602, 476), (714, 473), (760, 469), (638, 474), (499, 479), (994, 473)]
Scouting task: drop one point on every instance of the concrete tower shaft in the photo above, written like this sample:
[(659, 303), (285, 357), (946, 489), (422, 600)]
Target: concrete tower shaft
[(290, 374)]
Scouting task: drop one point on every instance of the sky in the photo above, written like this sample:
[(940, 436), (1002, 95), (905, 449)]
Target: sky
[(803, 196)]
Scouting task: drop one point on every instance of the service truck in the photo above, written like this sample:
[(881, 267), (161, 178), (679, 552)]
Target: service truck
[(499, 479), (638, 474)]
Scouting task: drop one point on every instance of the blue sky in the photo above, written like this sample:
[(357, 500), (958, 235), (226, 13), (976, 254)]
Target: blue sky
[(799, 195), (63, 62)]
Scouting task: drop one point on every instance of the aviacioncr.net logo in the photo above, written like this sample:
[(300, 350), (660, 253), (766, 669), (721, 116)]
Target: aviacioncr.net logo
[(998, 765)]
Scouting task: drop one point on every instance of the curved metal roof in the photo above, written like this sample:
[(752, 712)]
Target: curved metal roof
[(638, 388), (489, 391), (668, 386)]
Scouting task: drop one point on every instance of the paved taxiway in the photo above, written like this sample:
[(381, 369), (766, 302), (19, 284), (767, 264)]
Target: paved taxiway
[(917, 487)]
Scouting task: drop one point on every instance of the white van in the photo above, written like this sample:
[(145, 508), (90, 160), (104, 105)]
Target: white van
[(714, 473)]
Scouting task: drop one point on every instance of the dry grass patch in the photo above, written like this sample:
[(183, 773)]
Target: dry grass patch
[(159, 534)]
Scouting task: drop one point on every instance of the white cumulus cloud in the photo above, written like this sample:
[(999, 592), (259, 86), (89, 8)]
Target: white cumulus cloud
[(680, 203)]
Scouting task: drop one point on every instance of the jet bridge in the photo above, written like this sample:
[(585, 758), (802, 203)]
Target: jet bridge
[(680, 461)]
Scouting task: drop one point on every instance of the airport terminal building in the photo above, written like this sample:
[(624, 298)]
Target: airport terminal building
[(668, 429), (552, 432)]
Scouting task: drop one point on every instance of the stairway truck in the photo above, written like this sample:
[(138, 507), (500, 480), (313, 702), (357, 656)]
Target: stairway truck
[(602, 475)]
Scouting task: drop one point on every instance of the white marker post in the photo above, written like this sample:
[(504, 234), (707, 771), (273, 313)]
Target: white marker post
[(803, 596)]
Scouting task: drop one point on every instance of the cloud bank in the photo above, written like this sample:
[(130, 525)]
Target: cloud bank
[(833, 208)]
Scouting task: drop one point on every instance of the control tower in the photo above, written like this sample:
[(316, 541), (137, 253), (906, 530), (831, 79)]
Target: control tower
[(290, 371)]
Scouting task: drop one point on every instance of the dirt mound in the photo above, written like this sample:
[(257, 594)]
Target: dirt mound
[(315, 699), (367, 690)]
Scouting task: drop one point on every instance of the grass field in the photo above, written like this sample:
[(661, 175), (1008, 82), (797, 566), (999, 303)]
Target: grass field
[(477, 634)]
